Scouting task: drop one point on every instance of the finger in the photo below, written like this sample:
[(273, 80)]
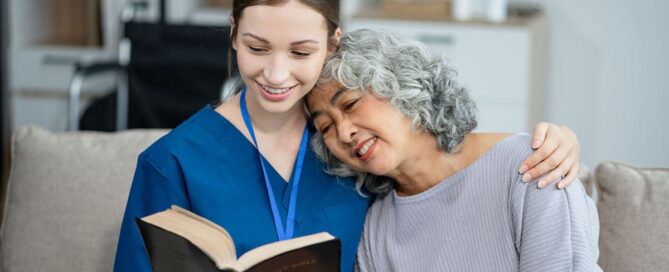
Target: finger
[(556, 175), (573, 172), (538, 156), (543, 160), (546, 148), (539, 134), (571, 175)]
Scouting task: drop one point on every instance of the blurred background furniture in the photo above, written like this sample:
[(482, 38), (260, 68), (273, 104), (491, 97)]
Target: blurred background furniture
[(52, 40), (171, 71), (165, 72)]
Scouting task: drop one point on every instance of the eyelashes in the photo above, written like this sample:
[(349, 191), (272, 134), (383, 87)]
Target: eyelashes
[(301, 53), (326, 129), (347, 107), (296, 53), (258, 50), (351, 104)]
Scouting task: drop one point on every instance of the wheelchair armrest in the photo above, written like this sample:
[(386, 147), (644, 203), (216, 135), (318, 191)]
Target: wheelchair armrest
[(90, 69)]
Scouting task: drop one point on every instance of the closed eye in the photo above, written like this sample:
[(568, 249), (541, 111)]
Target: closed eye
[(326, 128), (351, 104), (257, 49), (301, 53)]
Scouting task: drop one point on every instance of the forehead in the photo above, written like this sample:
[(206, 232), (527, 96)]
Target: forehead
[(321, 94), (289, 19)]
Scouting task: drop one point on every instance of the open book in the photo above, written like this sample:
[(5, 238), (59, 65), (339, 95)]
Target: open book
[(179, 240)]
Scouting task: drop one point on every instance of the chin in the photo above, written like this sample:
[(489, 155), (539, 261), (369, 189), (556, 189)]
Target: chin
[(280, 107), (274, 107), (377, 169), (378, 172), (289, 103)]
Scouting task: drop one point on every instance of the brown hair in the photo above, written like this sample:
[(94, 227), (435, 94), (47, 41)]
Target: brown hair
[(328, 8)]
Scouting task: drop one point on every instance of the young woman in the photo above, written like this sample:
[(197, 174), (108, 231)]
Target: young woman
[(446, 199), (210, 163)]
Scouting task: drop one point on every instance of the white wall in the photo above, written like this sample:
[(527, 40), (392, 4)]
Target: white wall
[(608, 77)]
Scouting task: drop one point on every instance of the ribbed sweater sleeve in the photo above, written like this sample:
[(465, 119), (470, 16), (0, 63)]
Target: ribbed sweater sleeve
[(555, 229)]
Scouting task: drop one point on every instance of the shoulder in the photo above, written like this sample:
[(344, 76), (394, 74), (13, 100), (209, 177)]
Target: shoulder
[(500, 154), (504, 159), (508, 149), (179, 141), (513, 143), (510, 153)]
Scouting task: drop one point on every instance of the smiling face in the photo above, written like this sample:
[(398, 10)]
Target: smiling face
[(360, 129), (280, 52)]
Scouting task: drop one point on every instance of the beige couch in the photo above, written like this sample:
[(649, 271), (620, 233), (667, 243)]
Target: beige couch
[(633, 207), (67, 193), (68, 190)]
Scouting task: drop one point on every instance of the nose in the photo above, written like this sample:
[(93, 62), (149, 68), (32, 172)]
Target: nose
[(346, 131), (277, 70)]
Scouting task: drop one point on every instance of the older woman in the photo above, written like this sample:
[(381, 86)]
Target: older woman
[(447, 199)]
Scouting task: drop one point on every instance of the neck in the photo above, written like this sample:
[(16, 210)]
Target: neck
[(428, 165), (265, 122)]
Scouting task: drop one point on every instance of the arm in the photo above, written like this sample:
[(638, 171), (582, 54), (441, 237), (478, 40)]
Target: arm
[(556, 154), (556, 230), (151, 191)]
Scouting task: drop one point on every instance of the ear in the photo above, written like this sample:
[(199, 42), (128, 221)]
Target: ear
[(232, 27), (337, 37)]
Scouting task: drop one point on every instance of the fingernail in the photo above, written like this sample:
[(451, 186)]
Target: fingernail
[(535, 144), (522, 169), (527, 177), (561, 186), (541, 184)]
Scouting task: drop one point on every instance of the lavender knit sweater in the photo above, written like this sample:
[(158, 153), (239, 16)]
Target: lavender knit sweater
[(484, 218)]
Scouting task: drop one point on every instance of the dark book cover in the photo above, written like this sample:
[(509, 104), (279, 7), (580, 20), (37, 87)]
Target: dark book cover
[(172, 253), (169, 252)]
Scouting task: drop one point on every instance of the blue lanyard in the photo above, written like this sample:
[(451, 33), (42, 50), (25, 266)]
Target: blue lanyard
[(290, 218)]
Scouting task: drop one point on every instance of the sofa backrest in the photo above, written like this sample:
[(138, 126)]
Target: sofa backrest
[(66, 197), (633, 206)]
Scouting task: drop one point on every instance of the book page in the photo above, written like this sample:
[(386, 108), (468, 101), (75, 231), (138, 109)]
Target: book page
[(212, 239), (261, 253)]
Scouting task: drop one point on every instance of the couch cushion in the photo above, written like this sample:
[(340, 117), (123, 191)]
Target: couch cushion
[(67, 193), (633, 207), (585, 176)]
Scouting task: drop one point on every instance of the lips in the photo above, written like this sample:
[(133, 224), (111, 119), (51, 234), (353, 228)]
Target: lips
[(365, 149), (275, 93)]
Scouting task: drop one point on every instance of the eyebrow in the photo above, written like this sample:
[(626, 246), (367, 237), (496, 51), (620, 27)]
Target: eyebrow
[(333, 101), (303, 42), (255, 37), (266, 41), (337, 94)]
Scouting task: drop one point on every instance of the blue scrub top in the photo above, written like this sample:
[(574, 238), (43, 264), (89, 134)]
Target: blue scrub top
[(207, 166)]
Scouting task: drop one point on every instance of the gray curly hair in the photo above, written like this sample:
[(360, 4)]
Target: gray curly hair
[(420, 86)]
